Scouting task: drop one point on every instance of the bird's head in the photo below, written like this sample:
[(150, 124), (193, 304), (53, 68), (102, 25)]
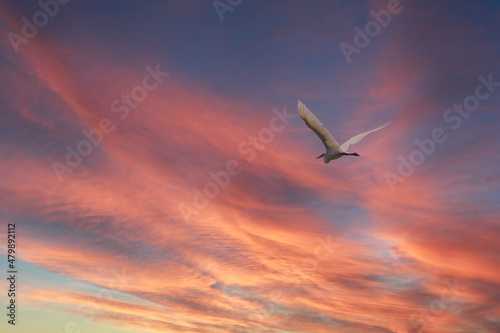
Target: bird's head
[(320, 156)]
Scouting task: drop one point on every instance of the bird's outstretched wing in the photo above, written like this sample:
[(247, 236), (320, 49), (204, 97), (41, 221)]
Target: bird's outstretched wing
[(313, 123), (359, 137)]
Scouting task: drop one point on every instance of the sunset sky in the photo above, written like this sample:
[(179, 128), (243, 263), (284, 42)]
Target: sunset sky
[(161, 180)]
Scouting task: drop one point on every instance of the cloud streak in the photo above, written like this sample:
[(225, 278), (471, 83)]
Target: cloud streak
[(289, 244)]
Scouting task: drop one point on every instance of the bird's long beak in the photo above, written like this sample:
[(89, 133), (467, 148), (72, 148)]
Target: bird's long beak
[(320, 156)]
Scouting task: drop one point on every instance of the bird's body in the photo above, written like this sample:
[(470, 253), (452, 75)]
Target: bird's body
[(333, 149), (332, 155)]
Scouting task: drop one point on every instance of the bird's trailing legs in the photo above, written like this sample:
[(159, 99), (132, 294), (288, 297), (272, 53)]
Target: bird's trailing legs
[(351, 154)]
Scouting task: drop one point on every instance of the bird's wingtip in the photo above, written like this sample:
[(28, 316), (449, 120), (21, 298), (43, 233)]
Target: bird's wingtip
[(300, 107)]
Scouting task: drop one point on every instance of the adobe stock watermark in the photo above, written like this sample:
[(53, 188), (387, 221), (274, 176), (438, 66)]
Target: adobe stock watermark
[(453, 116), (30, 28), (248, 150), (420, 320), (310, 265), (122, 107), (119, 280), (222, 6), (372, 29), (322, 252)]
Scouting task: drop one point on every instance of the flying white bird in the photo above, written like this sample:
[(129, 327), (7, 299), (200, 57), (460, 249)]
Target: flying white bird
[(333, 149)]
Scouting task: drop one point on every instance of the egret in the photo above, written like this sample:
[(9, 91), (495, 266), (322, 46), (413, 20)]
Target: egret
[(333, 149)]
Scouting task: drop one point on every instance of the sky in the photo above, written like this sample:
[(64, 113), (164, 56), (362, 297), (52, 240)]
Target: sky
[(160, 178)]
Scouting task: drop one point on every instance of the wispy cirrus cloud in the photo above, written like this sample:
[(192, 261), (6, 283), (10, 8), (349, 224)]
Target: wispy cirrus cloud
[(256, 257)]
